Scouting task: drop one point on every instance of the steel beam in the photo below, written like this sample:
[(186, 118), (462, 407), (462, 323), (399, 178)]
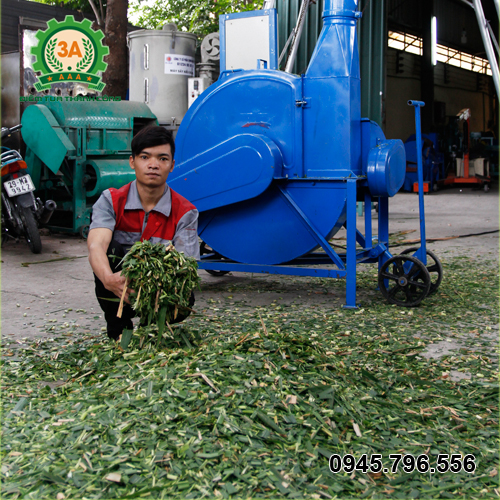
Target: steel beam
[(296, 37), (488, 45)]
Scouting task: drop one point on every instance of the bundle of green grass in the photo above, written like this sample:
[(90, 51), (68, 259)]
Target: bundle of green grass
[(162, 279)]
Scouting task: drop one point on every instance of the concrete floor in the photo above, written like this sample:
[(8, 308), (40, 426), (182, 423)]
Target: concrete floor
[(63, 290)]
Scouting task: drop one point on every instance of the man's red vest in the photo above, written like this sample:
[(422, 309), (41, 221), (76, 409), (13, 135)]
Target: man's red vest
[(158, 225)]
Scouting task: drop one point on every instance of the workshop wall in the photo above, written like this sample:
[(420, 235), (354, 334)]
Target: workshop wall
[(455, 87)]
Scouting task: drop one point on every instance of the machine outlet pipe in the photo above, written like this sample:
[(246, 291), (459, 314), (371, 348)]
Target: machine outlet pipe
[(488, 45), (296, 38), (341, 8)]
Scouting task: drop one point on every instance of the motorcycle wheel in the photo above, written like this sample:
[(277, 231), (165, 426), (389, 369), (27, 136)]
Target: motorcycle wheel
[(31, 232)]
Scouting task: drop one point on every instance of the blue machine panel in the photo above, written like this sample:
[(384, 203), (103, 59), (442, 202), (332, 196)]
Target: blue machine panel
[(238, 169), (265, 230), (244, 102)]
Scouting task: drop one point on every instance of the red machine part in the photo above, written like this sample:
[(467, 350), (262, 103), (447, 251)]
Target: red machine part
[(452, 178)]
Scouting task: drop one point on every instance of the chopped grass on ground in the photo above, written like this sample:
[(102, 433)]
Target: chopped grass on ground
[(252, 401)]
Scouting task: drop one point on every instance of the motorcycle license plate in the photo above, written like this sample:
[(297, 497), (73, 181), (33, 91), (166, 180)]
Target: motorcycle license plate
[(18, 186)]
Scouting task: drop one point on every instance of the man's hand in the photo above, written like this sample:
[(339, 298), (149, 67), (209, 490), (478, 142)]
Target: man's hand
[(98, 243), (115, 283)]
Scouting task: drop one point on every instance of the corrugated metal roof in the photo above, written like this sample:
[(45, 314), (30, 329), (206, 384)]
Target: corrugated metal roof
[(13, 10)]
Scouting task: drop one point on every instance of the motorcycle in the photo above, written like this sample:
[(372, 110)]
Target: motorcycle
[(21, 211)]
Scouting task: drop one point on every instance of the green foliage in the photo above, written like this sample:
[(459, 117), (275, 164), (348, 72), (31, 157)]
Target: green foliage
[(78, 5), (259, 397), (162, 278), (200, 17), (196, 16)]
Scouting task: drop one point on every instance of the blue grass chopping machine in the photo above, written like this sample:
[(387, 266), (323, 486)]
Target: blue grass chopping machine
[(276, 163)]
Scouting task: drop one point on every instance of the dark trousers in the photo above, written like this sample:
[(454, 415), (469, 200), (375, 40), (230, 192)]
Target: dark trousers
[(116, 325)]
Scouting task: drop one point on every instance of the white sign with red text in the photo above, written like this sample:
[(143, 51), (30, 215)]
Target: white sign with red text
[(176, 64)]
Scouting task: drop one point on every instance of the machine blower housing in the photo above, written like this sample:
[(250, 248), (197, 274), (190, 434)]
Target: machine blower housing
[(262, 150)]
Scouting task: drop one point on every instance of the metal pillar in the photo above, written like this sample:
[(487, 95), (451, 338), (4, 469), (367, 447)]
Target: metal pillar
[(427, 73)]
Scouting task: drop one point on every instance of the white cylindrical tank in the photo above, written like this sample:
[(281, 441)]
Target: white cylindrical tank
[(161, 61)]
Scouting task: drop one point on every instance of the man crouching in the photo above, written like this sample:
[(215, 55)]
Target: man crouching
[(144, 209)]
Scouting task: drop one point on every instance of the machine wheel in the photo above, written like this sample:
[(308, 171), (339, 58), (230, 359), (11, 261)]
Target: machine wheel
[(204, 250), (84, 231), (486, 188), (405, 287), (434, 268), (31, 232)]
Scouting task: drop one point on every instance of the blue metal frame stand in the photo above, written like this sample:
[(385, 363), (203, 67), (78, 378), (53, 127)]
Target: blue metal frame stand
[(344, 262)]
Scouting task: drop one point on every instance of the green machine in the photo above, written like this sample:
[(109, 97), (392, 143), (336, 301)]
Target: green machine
[(75, 150)]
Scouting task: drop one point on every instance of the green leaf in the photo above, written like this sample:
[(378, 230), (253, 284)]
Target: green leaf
[(161, 323), (126, 337)]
